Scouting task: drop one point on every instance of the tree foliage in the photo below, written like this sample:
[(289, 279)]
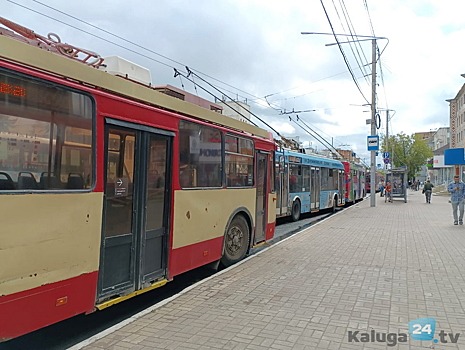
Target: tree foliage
[(407, 151)]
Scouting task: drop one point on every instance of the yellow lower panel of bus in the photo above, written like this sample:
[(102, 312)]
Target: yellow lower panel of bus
[(46, 238), (200, 215)]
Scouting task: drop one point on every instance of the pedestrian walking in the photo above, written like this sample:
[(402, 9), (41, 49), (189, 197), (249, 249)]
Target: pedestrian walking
[(457, 191), (427, 190), (388, 192)]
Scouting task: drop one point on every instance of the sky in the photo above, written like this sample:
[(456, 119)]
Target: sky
[(254, 51)]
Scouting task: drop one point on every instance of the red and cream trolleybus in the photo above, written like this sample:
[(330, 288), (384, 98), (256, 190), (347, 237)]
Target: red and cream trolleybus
[(355, 181), (109, 188)]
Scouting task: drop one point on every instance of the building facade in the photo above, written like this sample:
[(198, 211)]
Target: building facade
[(441, 173), (457, 125)]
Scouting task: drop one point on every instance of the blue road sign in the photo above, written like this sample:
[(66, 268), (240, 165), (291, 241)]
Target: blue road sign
[(373, 143)]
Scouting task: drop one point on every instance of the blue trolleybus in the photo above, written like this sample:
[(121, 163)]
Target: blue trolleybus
[(307, 183)]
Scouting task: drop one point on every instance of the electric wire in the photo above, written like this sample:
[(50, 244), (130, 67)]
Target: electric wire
[(379, 56), (149, 50), (352, 34), (369, 17), (260, 119), (187, 77), (363, 61), (315, 135), (329, 145), (177, 73), (112, 42), (255, 98), (91, 34), (342, 52), (144, 48)]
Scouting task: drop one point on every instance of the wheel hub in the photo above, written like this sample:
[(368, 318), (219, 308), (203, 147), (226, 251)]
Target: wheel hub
[(235, 238)]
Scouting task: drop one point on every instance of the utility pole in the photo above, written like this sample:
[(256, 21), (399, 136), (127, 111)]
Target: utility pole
[(387, 137), (391, 152), (373, 123), (373, 100)]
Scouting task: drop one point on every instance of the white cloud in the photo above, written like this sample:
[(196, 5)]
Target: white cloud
[(257, 49)]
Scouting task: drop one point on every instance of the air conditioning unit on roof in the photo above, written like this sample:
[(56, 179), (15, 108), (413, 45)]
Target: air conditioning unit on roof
[(121, 67)]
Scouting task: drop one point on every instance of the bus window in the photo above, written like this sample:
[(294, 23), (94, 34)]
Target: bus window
[(295, 178), (45, 135), (199, 155), (120, 168), (306, 178), (239, 161)]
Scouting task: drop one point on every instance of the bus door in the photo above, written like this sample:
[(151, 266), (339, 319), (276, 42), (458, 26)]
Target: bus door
[(306, 186), (357, 184), (315, 189), (341, 187), (135, 221), (262, 191), (281, 184)]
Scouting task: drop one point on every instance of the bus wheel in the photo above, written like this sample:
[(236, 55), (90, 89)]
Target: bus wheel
[(295, 210), (334, 204), (236, 242)]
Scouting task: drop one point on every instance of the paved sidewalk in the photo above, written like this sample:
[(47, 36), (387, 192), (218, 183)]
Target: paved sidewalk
[(363, 269)]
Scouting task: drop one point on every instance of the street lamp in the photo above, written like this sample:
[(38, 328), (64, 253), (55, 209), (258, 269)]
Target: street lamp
[(373, 103)]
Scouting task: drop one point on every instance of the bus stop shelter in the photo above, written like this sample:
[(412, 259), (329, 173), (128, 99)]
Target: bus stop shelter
[(399, 182)]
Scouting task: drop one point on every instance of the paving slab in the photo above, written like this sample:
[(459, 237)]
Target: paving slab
[(366, 269)]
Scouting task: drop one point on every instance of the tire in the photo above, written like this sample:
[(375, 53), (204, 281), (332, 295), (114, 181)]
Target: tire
[(236, 241), (334, 204), (295, 213)]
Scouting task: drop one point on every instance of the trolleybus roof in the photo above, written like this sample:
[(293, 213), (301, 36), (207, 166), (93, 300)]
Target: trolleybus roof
[(26, 54)]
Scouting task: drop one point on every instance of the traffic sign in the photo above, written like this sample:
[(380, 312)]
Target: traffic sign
[(387, 161), (386, 155), (373, 143)]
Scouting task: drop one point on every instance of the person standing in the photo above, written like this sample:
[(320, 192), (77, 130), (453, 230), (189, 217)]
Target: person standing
[(427, 190), (457, 191), (381, 188)]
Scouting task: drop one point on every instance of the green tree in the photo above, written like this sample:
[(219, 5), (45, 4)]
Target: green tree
[(407, 151)]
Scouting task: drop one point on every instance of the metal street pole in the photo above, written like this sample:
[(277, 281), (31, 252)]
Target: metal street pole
[(387, 138), (373, 123), (373, 100)]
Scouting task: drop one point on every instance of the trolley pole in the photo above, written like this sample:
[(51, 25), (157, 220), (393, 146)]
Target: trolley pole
[(373, 124)]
